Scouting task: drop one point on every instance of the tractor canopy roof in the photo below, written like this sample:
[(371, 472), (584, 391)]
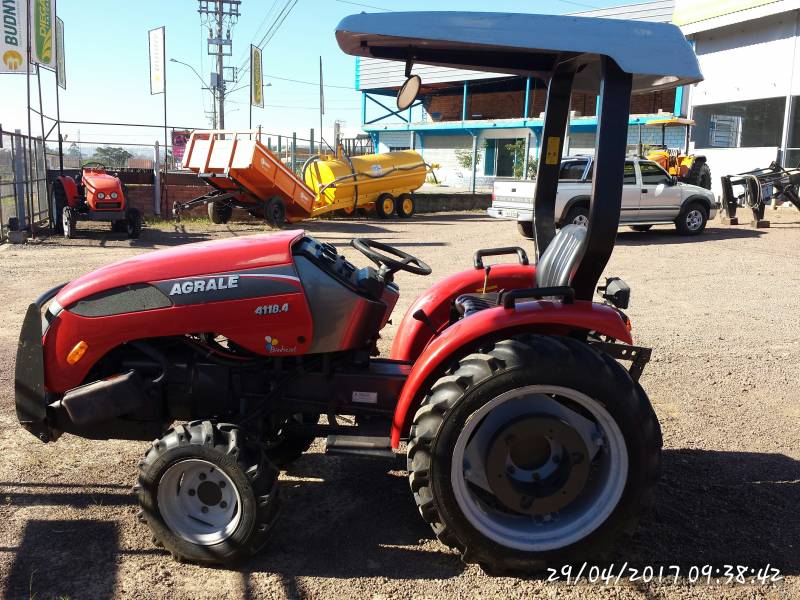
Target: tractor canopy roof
[(656, 54)]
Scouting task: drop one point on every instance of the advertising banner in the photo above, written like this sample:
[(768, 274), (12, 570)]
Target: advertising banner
[(61, 70), (156, 38), (14, 38), (256, 78), (179, 139), (43, 32)]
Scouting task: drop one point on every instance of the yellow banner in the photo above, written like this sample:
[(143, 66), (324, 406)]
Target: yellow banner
[(256, 78)]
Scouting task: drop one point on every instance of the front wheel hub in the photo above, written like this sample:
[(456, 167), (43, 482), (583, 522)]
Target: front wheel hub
[(537, 465)]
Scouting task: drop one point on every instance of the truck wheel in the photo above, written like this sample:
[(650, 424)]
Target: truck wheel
[(641, 227), (578, 215), (525, 229), (406, 205), (284, 448), (275, 212), (206, 496), (384, 206), (692, 220), (58, 200), (539, 451), (219, 213), (68, 222), (133, 223)]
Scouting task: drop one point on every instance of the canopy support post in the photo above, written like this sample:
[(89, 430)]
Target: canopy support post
[(610, 148)]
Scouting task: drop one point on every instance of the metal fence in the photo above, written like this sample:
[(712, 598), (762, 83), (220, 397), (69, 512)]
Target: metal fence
[(114, 155), (23, 182)]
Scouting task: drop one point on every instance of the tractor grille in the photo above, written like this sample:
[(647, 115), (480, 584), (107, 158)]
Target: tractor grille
[(116, 205)]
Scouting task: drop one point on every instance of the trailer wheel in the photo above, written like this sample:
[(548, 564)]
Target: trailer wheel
[(219, 213), (68, 222), (275, 212), (133, 223), (525, 229), (58, 200), (406, 206), (536, 451), (385, 206), (206, 495)]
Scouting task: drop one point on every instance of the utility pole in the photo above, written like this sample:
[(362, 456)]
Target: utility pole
[(220, 16)]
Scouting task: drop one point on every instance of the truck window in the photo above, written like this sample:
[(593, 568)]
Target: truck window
[(629, 174), (572, 169), (652, 174)]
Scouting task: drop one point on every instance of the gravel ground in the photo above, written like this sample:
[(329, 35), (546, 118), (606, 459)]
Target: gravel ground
[(719, 310)]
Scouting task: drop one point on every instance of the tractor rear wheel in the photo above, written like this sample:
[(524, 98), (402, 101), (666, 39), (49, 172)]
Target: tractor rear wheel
[(406, 206), (275, 212), (536, 451), (206, 495), (68, 222), (385, 206), (219, 213), (133, 223), (58, 201)]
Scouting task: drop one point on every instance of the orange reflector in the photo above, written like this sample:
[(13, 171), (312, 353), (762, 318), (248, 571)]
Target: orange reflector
[(628, 325), (77, 352)]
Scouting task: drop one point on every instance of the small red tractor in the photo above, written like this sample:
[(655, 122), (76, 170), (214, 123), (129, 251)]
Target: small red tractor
[(528, 442), (93, 195)]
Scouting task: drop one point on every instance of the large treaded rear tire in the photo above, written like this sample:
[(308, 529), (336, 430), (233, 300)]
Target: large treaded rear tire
[(511, 364), (223, 446)]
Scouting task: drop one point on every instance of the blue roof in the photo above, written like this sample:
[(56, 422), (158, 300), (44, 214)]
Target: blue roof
[(656, 54)]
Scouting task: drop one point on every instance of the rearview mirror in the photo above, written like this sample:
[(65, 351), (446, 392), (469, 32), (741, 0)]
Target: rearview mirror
[(673, 180), (408, 92)]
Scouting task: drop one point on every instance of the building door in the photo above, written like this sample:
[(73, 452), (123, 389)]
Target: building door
[(502, 155)]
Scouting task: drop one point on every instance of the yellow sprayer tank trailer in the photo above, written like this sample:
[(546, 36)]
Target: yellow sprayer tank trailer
[(244, 173)]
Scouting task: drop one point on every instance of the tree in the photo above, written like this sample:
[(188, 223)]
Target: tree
[(112, 156), (73, 151), (518, 150)]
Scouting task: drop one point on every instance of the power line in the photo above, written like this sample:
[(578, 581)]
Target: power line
[(285, 11), (315, 84), (364, 5)]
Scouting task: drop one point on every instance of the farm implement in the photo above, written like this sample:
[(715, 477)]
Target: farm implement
[(245, 174)]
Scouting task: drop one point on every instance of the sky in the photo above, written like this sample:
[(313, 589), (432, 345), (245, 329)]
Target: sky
[(107, 67)]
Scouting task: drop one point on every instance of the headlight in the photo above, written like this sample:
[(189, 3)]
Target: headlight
[(100, 195), (114, 195)]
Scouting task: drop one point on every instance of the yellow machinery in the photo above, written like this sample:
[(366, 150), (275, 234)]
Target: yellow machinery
[(244, 173), (688, 168)]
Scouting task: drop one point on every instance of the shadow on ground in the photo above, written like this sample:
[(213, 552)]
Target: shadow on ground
[(660, 237), (346, 518)]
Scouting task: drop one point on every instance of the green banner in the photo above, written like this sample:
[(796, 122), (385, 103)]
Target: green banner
[(43, 20)]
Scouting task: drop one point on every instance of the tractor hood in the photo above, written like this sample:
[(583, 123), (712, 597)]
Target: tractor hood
[(188, 260), (100, 182)]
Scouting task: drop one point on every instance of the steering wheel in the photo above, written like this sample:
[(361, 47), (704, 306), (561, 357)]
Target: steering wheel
[(92, 164), (388, 257)]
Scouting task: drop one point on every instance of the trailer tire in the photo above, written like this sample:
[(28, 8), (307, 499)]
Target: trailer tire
[(219, 213), (483, 390), (525, 229), (275, 212), (188, 454), (406, 206), (133, 223), (385, 206)]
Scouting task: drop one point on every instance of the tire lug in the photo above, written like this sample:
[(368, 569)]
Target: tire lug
[(223, 504), (204, 509)]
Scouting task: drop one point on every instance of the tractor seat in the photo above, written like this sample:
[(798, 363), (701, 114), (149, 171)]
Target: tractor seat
[(556, 268)]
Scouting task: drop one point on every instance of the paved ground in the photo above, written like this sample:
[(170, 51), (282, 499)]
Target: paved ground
[(720, 310)]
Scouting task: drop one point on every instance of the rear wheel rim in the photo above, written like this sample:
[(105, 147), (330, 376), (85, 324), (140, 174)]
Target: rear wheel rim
[(694, 219), (534, 527), (199, 502), (581, 220)]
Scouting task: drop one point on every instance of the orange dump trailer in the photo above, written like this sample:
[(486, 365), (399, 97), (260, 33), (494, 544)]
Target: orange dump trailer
[(244, 173)]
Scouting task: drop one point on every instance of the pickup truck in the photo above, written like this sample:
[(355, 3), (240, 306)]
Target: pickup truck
[(650, 196)]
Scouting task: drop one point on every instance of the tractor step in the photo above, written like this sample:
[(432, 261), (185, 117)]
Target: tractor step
[(359, 445)]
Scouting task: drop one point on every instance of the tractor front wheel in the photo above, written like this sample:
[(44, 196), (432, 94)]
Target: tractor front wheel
[(58, 201), (68, 222), (207, 496), (133, 223), (536, 451)]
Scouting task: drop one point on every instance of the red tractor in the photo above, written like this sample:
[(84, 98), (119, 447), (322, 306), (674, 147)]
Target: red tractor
[(528, 443), (95, 195)]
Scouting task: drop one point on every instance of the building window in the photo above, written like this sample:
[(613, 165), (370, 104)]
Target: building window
[(748, 124), (504, 157)]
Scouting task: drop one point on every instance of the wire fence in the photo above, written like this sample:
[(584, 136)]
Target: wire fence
[(23, 182)]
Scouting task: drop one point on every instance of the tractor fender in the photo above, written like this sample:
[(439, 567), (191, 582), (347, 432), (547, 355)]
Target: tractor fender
[(574, 201), (70, 189), (490, 325), (412, 335)]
